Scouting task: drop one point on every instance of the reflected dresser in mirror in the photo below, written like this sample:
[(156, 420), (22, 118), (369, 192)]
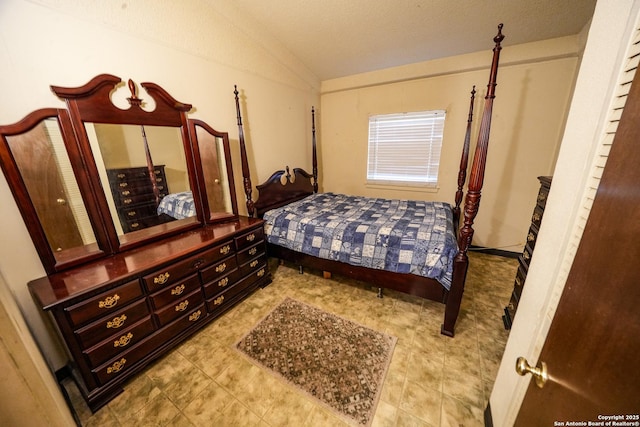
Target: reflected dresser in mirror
[(134, 215)]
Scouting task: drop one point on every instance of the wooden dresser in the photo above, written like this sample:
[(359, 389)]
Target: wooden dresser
[(134, 197), (117, 314), (525, 258)]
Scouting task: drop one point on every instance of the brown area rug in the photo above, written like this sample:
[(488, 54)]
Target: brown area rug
[(339, 362)]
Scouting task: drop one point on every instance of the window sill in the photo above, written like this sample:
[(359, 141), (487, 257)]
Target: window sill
[(418, 188)]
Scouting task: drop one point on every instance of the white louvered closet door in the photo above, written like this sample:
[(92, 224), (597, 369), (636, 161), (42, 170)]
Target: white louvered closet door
[(615, 112)]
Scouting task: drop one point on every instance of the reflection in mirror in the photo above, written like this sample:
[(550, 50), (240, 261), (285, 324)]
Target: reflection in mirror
[(214, 153), (146, 170), (45, 169)]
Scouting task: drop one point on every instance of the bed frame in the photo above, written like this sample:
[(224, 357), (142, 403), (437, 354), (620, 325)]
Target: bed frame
[(283, 187)]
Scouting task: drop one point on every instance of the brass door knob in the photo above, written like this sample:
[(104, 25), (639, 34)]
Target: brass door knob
[(539, 372)]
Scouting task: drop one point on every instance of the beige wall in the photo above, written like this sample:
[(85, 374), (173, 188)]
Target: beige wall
[(196, 50), (535, 82)]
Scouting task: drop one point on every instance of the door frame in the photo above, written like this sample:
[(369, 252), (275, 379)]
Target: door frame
[(560, 231)]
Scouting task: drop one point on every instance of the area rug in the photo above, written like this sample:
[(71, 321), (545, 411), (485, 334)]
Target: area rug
[(336, 361)]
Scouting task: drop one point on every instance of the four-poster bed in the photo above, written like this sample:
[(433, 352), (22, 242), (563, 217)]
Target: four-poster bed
[(287, 193)]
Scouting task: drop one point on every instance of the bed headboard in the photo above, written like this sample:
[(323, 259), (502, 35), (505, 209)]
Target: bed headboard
[(283, 188)]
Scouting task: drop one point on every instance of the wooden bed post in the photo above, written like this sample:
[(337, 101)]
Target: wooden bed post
[(464, 161), (314, 157), (472, 199), (246, 174)]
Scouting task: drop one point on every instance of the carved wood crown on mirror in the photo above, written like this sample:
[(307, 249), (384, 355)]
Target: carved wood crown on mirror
[(163, 172)]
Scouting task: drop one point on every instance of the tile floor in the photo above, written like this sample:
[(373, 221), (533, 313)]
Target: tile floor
[(432, 381)]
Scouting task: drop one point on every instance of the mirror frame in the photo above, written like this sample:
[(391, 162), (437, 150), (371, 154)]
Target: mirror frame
[(92, 103), (209, 215)]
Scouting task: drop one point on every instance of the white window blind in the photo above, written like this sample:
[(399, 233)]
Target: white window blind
[(404, 148)]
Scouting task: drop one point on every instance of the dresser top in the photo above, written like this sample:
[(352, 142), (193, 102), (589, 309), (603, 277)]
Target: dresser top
[(92, 278)]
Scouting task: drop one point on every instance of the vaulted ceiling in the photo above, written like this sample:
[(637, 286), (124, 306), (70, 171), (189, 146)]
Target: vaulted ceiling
[(335, 38)]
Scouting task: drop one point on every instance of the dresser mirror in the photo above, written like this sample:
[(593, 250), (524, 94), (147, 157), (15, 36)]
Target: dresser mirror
[(96, 179), (123, 154), (212, 152)]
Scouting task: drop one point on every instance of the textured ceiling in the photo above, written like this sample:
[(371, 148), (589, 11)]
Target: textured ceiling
[(336, 38)]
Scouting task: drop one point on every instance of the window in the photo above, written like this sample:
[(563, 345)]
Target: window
[(404, 148)]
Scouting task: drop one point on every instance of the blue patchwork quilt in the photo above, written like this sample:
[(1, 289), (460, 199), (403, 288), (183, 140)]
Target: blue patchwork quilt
[(403, 236), (177, 205)]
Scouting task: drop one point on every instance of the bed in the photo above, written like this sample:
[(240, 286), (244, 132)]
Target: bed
[(177, 205), (420, 248)]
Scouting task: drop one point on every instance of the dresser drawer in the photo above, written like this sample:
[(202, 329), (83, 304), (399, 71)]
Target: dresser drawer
[(135, 200), (254, 236), (127, 359), (176, 291), (532, 237), (179, 308), (104, 304), (132, 174), (536, 218), (221, 283), (218, 269), (253, 266), (139, 212), (231, 295), (174, 272), (251, 252), (117, 343), (99, 330)]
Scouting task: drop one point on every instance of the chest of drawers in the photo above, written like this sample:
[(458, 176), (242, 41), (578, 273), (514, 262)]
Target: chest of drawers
[(525, 258), (134, 196), (117, 315)]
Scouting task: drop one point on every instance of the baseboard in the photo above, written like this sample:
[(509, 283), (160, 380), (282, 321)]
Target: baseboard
[(62, 373), (493, 251), (488, 419)]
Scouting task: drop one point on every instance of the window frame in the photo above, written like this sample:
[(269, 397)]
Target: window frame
[(422, 148)]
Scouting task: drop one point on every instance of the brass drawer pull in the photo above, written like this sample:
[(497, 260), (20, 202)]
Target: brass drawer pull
[(536, 217), (125, 192), (225, 249), (116, 322), (218, 300), (135, 225), (526, 255), (197, 263), (251, 237), (253, 263), (109, 302), (253, 251), (123, 341), (542, 197), (178, 290), (157, 172), (195, 316), (127, 201), (223, 282), (182, 306), (260, 273), (132, 213), (117, 366), (222, 267), (531, 237), (161, 279), (518, 281), (121, 175), (123, 184)]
